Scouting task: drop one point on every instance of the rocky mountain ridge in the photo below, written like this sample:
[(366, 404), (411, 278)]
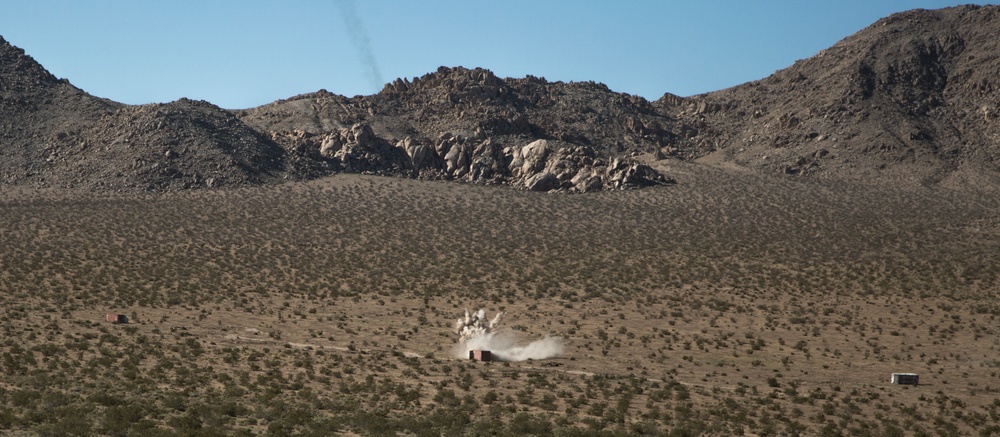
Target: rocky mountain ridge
[(911, 97), (470, 125)]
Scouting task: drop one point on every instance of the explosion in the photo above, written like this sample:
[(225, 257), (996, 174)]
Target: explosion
[(476, 332)]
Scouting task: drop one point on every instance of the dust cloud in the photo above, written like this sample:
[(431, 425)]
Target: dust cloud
[(476, 332)]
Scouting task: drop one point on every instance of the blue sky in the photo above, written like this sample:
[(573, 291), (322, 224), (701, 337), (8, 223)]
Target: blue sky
[(245, 53)]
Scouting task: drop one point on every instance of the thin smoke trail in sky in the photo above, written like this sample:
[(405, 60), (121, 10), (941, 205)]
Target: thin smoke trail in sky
[(356, 30)]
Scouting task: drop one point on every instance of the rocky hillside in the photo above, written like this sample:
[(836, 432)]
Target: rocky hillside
[(472, 126), (54, 134), (454, 124), (912, 97), (36, 112)]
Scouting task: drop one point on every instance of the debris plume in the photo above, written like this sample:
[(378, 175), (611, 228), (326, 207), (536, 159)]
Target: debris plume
[(476, 332)]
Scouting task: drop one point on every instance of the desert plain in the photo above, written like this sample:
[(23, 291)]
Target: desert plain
[(732, 303)]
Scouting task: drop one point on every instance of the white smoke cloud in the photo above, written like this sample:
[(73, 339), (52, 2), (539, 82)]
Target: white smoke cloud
[(476, 332)]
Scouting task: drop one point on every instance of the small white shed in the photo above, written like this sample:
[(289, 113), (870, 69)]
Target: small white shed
[(905, 378)]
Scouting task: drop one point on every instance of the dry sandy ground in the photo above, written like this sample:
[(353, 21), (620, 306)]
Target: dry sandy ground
[(730, 303)]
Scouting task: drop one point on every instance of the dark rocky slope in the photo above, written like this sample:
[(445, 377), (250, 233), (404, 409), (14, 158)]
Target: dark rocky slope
[(913, 96), (54, 134)]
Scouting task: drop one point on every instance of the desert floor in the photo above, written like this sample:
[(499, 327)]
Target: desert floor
[(727, 304)]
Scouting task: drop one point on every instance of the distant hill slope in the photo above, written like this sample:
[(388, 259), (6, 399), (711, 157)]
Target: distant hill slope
[(37, 111), (912, 97), (54, 134)]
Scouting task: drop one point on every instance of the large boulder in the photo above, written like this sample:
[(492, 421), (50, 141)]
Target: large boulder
[(587, 180), (529, 159), (566, 162), (330, 145), (625, 173), (488, 162), (363, 151), (457, 160), (422, 156), (541, 182)]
